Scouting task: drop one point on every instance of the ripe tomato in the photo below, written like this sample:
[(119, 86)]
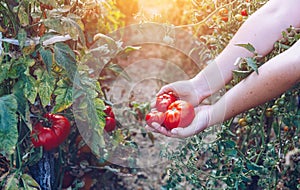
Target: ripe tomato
[(110, 124), (109, 112), (110, 121), (164, 100), (225, 18), (223, 11), (244, 12), (53, 135), (155, 116), (179, 114)]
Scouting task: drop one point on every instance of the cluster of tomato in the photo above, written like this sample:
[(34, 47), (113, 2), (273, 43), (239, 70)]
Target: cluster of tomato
[(223, 13), (171, 112), (110, 121)]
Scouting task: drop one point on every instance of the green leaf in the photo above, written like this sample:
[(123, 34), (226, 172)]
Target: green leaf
[(29, 183), (23, 107), (252, 64), (47, 57), (8, 123), (63, 98), (12, 183), (129, 49), (4, 71), (22, 36), (65, 57), (231, 152), (30, 88), (253, 166), (23, 16), (73, 29), (248, 46), (46, 84)]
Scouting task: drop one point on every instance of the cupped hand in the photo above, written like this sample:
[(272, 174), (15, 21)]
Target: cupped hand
[(199, 123)]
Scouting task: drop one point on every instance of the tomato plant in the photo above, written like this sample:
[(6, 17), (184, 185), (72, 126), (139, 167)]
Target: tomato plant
[(50, 133), (179, 114)]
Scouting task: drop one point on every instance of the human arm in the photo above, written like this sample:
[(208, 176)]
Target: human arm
[(274, 77), (261, 30)]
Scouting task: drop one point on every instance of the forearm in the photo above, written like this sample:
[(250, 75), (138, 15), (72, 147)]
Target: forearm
[(261, 29), (275, 77)]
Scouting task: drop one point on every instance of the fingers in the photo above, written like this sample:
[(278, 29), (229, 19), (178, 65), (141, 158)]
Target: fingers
[(165, 89), (199, 123)]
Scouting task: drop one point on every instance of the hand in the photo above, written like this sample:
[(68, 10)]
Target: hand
[(199, 123), (185, 90)]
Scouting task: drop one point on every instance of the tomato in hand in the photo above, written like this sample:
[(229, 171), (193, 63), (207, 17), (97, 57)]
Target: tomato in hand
[(179, 114), (164, 100), (52, 135), (155, 116)]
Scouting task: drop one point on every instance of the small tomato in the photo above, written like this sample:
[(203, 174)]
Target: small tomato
[(244, 12), (110, 124), (238, 17)]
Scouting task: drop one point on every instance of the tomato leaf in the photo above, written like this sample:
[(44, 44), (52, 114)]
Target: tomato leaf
[(248, 46), (22, 35), (252, 64), (12, 183), (30, 88), (8, 123), (47, 57), (29, 183), (63, 94), (23, 107), (73, 29), (46, 85), (253, 166), (65, 57)]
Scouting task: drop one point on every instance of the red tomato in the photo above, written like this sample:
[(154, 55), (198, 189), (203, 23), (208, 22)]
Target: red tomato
[(110, 124), (179, 114), (155, 116), (225, 18), (164, 100), (244, 12), (109, 112), (53, 135)]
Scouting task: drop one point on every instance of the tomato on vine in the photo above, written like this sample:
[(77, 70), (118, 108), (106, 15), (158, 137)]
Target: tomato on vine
[(51, 132), (244, 12), (110, 121)]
